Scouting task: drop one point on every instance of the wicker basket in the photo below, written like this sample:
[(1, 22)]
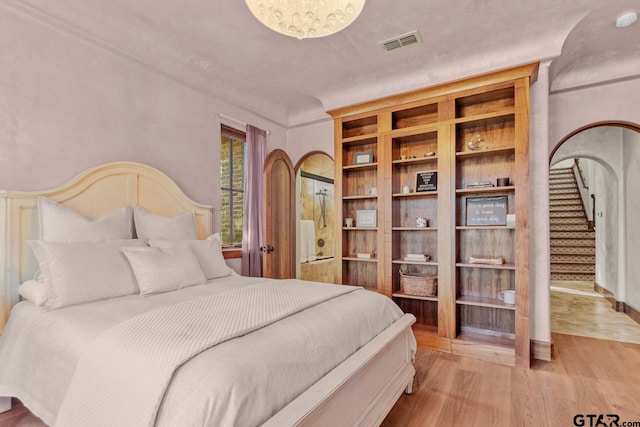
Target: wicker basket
[(418, 284)]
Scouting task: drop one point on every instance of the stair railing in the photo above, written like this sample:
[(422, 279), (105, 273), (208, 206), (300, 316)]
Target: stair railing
[(583, 180), (584, 193), (592, 224)]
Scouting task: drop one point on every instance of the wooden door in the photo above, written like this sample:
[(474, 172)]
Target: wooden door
[(279, 250)]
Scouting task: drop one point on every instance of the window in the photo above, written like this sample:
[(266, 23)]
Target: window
[(232, 185)]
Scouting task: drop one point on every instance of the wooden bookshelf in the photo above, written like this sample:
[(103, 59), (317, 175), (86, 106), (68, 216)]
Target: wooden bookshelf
[(467, 132)]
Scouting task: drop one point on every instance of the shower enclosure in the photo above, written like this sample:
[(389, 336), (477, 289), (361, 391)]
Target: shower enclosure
[(316, 217)]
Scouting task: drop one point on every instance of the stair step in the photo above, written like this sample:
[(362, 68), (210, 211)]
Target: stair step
[(566, 208), (574, 220), (577, 258), (574, 276), (561, 264), (568, 214), (564, 190), (569, 227), (579, 269), (573, 235), (573, 203), (560, 180), (573, 251), (572, 242), (560, 171), (562, 185), (571, 196)]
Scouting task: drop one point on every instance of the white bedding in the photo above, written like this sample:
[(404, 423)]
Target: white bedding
[(39, 351)]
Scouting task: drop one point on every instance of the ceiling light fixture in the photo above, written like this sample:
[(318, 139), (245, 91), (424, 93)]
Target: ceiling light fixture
[(626, 19), (306, 18)]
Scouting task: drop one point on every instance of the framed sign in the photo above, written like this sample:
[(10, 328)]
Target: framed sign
[(426, 181), (363, 157), (487, 210), (367, 218)]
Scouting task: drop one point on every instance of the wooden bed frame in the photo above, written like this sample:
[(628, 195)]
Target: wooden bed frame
[(360, 391)]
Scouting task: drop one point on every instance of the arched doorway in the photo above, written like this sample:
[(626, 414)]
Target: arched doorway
[(315, 217), (603, 162)]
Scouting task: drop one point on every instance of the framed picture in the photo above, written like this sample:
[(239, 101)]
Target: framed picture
[(367, 218), (426, 181), (487, 210), (363, 157)]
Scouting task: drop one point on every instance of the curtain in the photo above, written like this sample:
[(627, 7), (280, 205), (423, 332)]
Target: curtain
[(255, 155)]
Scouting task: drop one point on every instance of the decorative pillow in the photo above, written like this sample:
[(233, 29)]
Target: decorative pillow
[(78, 272), (35, 291), (61, 224), (150, 226), (208, 252), (164, 269)]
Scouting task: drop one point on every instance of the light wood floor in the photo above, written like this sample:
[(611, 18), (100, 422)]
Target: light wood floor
[(576, 309), (587, 376)]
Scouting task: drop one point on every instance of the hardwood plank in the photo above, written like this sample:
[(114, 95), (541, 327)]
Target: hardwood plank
[(549, 394)]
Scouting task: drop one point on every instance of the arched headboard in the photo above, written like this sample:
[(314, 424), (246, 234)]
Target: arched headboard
[(94, 192)]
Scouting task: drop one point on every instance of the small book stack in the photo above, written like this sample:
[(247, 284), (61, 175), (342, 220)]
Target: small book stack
[(479, 184), (365, 255), (417, 257)]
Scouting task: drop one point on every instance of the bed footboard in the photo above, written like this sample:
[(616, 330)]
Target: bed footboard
[(361, 390)]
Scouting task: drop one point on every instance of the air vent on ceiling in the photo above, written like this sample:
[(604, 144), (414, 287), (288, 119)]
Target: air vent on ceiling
[(401, 41)]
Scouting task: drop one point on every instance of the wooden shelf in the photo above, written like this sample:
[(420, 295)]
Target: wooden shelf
[(414, 194), (370, 138), (484, 302), (360, 259), (484, 190), (360, 197), (402, 261), (463, 155), (411, 130), (487, 339), (364, 166), (414, 228), (417, 160), (490, 266), (484, 227), (507, 111), (406, 296), (360, 228)]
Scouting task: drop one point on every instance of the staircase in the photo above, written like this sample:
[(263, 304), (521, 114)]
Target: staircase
[(573, 245)]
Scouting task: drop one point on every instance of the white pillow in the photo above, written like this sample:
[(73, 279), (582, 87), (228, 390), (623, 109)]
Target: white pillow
[(61, 224), (150, 226), (164, 269), (78, 272), (208, 252), (35, 291)]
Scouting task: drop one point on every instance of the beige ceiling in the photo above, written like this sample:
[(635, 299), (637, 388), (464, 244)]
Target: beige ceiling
[(218, 47)]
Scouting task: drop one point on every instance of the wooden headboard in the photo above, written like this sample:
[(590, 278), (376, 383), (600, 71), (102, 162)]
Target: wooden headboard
[(94, 192)]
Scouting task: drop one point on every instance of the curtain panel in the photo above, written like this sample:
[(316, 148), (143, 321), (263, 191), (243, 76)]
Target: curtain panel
[(252, 226)]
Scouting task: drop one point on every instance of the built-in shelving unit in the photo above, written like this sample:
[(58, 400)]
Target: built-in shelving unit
[(461, 137)]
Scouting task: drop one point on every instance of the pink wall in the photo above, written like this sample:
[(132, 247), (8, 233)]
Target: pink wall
[(574, 109), (67, 105)]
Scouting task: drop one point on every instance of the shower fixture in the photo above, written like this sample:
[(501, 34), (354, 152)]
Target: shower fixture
[(323, 205)]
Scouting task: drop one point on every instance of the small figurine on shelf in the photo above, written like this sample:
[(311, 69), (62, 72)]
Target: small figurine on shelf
[(476, 142)]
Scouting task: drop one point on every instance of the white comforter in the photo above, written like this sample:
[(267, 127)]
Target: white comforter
[(240, 382)]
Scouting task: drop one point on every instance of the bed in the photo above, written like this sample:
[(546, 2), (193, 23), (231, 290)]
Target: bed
[(344, 359)]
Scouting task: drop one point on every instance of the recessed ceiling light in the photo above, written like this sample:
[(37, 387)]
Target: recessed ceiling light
[(626, 19)]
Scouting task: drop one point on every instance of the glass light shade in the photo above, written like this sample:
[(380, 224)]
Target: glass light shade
[(306, 18)]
